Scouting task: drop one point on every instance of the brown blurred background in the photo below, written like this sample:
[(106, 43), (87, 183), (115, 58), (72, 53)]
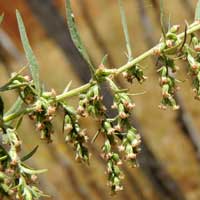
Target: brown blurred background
[(170, 158)]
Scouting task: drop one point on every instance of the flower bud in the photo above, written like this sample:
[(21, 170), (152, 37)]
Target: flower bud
[(51, 110), (169, 43), (174, 28), (123, 115), (68, 128)]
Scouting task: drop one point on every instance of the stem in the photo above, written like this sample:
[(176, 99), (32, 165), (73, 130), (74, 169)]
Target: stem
[(194, 28), (60, 97), (74, 92), (17, 114)]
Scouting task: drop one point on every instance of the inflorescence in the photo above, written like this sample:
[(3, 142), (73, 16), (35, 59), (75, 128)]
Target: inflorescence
[(121, 140)]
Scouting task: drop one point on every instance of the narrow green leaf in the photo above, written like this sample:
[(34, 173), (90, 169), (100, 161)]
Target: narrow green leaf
[(19, 121), (197, 12), (29, 155), (1, 107), (3, 158), (104, 59), (15, 107), (1, 18), (162, 18), (125, 29), (27, 170), (75, 35), (67, 87), (33, 64)]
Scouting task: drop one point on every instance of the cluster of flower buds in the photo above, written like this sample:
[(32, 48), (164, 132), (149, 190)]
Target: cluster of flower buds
[(119, 130), (135, 72), (91, 103), (123, 104), (123, 128), (193, 58), (43, 114), (75, 135), (130, 138), (130, 145), (16, 179), (171, 42), (168, 83), (196, 43), (10, 138), (45, 106), (195, 74), (113, 160)]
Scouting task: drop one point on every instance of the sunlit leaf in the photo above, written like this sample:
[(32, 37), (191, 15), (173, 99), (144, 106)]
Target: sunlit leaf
[(33, 64), (197, 12), (19, 121), (75, 35), (162, 17), (3, 158), (104, 59), (125, 29), (29, 155), (28, 170)]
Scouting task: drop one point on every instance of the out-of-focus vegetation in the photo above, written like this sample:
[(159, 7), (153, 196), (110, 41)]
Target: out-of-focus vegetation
[(163, 131)]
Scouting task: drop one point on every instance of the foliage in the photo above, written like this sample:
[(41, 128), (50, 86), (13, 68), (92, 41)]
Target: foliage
[(17, 180)]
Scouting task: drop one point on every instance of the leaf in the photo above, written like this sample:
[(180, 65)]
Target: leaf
[(125, 29), (75, 35), (29, 155), (197, 12), (27, 170), (19, 121), (162, 18), (67, 87), (1, 107), (3, 158), (33, 64), (1, 18), (104, 59), (15, 107)]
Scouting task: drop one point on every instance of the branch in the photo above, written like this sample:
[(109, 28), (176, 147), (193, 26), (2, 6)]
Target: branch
[(195, 27)]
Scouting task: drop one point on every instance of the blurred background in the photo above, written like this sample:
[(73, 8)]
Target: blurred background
[(170, 158)]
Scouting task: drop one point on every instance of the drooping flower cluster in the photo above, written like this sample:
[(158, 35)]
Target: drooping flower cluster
[(167, 52), (168, 83), (118, 131), (128, 134), (43, 114), (113, 162), (192, 55), (111, 156), (43, 105), (74, 134), (135, 72)]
